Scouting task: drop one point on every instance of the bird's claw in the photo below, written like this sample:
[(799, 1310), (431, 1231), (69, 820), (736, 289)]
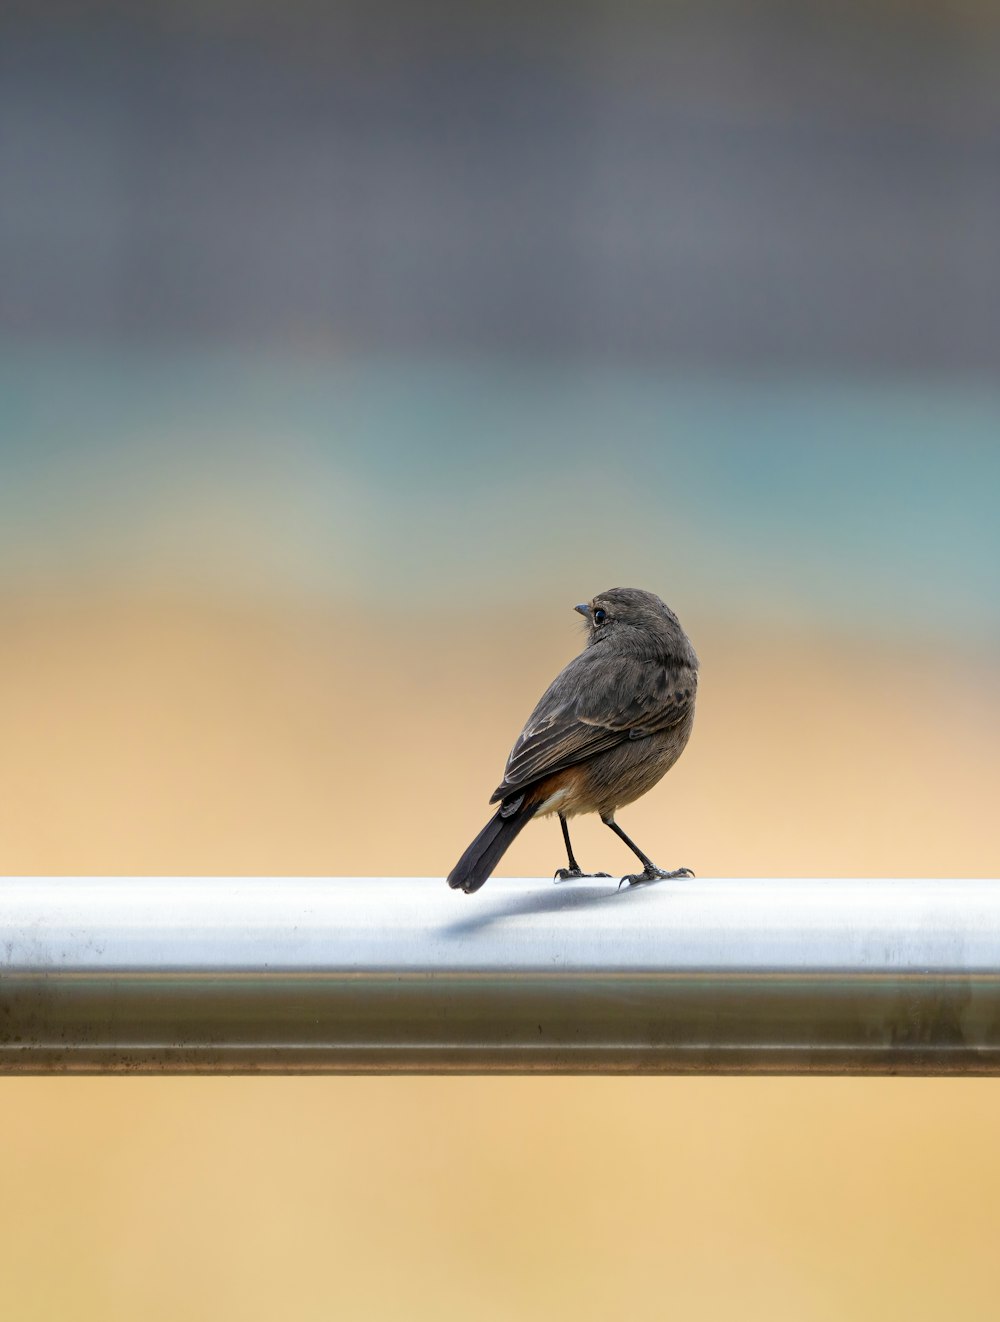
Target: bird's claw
[(574, 874), (654, 874)]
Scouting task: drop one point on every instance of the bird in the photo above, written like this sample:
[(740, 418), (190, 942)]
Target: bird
[(606, 730)]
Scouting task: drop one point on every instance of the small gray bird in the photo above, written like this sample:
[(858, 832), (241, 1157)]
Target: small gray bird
[(608, 727)]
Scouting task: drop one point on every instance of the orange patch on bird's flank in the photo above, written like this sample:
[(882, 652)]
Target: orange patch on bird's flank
[(566, 792)]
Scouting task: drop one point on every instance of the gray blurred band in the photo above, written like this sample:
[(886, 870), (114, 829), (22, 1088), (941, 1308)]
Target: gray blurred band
[(372, 975)]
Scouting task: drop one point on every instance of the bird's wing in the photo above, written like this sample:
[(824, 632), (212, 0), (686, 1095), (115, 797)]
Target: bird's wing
[(592, 706)]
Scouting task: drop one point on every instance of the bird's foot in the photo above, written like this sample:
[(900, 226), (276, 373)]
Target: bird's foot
[(574, 874), (654, 874)]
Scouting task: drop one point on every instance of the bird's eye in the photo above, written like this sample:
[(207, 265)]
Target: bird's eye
[(600, 615)]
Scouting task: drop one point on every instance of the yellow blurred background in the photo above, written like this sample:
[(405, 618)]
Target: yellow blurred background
[(193, 737), (342, 355)]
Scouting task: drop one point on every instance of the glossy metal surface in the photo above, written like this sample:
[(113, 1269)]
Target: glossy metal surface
[(286, 975)]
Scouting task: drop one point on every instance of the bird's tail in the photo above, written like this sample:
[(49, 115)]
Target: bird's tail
[(490, 845)]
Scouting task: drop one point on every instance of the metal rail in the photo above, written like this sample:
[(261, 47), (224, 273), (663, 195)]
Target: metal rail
[(357, 975)]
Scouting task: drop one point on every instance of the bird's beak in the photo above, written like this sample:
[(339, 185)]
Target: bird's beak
[(583, 608)]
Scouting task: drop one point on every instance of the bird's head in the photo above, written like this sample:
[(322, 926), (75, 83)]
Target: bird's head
[(635, 621)]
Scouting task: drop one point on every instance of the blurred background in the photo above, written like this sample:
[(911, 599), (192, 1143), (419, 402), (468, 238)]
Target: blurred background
[(342, 349)]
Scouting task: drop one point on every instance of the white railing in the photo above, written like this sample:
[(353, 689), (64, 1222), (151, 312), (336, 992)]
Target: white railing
[(369, 975)]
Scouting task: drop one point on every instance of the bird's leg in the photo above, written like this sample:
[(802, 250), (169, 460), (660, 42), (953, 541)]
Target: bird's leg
[(573, 871), (650, 872)]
